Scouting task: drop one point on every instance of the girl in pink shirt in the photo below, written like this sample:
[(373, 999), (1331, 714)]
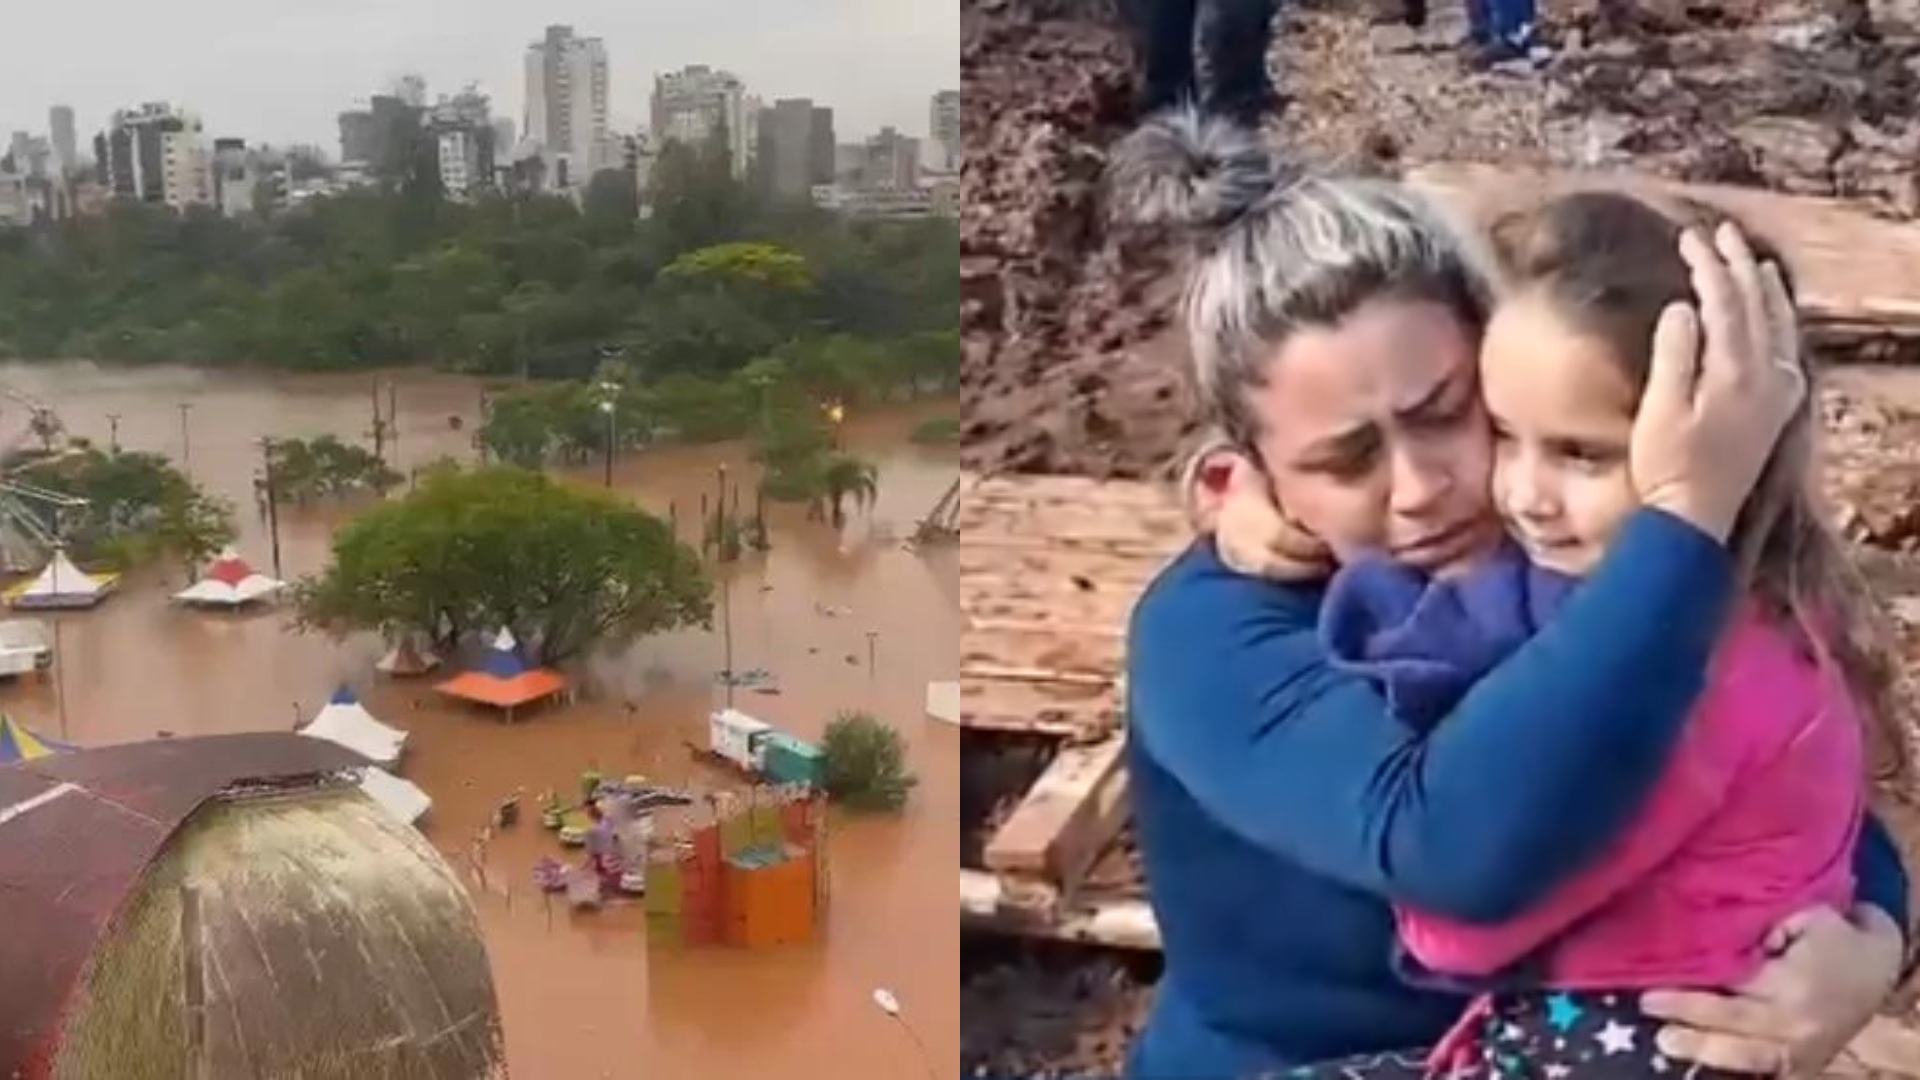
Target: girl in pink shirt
[(1756, 815)]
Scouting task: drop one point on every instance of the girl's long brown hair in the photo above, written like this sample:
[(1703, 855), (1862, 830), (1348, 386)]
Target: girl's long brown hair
[(1609, 263)]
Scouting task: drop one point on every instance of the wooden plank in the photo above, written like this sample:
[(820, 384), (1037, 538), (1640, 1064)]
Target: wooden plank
[(1113, 923), (1066, 818), (1035, 585), (1079, 653), (1070, 513), (1076, 711), (1851, 268)]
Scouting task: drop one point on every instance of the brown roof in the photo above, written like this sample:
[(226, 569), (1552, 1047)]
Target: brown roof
[(76, 833)]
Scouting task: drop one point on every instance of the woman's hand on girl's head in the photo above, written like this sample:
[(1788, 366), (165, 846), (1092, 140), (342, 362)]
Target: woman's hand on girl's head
[(1829, 976), (1229, 498), (1725, 381)]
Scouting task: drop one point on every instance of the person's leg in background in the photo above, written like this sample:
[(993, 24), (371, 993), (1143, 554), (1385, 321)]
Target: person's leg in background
[(1512, 33), (1479, 23), (1519, 23), (1236, 36), (1163, 50)]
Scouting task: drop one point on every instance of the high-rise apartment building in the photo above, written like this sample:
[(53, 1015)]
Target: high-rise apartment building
[(358, 137), (66, 145), (156, 154), (234, 178), (378, 140), (893, 162), (567, 106), (795, 148), (943, 131), (463, 130), (689, 105)]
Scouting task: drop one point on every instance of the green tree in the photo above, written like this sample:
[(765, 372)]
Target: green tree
[(140, 509), (516, 283), (565, 568), (866, 764), (324, 468), (847, 479), (612, 201), (519, 430), (695, 198), (433, 290)]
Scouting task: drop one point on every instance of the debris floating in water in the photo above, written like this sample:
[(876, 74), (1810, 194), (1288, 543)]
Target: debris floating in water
[(752, 677)]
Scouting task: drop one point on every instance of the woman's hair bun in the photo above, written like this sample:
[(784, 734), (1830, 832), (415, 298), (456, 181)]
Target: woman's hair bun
[(1186, 169)]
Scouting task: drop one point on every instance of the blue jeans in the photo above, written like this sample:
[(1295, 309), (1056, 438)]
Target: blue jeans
[(1509, 22)]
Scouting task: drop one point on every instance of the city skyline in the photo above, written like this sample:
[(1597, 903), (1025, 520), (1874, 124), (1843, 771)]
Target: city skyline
[(876, 62)]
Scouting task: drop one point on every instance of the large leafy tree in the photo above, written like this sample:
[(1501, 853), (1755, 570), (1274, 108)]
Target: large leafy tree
[(565, 568)]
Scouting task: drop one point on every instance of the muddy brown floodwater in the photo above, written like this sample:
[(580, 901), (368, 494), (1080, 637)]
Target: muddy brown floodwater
[(583, 996)]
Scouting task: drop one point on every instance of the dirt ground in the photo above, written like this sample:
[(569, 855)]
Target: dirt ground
[(1057, 316), (1068, 367)]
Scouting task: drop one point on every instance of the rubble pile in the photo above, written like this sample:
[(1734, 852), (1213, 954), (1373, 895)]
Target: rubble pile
[(1872, 452), (1050, 1013), (1066, 366)]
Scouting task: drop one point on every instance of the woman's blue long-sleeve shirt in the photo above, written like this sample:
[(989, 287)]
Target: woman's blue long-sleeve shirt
[(1278, 804)]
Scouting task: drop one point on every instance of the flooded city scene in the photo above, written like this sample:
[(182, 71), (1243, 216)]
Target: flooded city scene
[(836, 619), (479, 590)]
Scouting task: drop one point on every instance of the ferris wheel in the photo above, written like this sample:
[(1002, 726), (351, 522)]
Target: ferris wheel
[(33, 519)]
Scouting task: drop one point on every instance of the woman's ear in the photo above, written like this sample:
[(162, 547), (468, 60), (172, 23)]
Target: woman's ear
[(1229, 497)]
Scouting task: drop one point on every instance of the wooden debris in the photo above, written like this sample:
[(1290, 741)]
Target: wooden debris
[(1035, 585), (1072, 711), (1856, 275), (1114, 923), (1067, 817), (1059, 514), (1050, 568)]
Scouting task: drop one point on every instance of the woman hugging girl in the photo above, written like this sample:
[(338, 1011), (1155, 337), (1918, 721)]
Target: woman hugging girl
[(1758, 811)]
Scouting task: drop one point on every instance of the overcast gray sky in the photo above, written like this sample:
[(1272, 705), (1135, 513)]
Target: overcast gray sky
[(280, 71)]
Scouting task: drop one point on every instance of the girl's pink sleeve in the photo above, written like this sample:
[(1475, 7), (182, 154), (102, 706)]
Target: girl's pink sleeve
[(1719, 740)]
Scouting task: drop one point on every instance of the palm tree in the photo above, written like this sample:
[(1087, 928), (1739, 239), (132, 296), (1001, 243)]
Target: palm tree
[(847, 477), (46, 427)]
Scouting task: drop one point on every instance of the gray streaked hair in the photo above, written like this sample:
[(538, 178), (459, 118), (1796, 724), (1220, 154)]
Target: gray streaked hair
[(1279, 250)]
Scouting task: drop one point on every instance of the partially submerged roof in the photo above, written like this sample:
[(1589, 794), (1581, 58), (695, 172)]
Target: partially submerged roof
[(78, 831)]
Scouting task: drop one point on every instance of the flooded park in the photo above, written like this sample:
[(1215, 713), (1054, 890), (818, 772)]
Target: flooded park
[(839, 619)]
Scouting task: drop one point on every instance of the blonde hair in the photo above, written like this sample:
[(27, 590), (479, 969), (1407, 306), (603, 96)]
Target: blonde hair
[(1277, 250)]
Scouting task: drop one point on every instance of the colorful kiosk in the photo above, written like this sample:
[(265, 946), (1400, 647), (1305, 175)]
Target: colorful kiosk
[(750, 876), (504, 681)]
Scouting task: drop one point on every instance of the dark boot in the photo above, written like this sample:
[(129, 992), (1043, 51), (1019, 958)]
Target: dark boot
[(1237, 35), (1163, 49)]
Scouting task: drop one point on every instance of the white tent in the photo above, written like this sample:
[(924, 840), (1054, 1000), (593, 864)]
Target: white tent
[(943, 701), (401, 798), (62, 585), (347, 722), (230, 582)]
